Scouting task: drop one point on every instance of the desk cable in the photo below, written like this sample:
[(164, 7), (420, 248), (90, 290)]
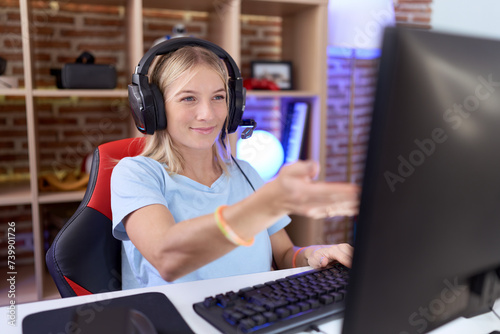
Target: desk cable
[(316, 329), (494, 312)]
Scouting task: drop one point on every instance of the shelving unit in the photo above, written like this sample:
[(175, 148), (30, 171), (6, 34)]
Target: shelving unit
[(304, 43), (95, 93)]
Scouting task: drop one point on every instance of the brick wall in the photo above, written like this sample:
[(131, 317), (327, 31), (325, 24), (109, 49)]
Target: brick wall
[(338, 115), (413, 13), (408, 13), (260, 39), (70, 128), (21, 215)]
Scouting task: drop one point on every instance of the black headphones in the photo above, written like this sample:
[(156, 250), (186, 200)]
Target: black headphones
[(146, 99)]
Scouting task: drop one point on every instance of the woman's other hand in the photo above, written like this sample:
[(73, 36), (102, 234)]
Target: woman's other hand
[(321, 255)]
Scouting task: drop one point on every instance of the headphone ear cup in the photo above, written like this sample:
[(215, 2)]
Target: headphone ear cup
[(159, 101), (136, 104), (237, 105)]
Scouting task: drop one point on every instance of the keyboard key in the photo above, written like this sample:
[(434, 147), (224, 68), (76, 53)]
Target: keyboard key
[(259, 319), (258, 299), (248, 312), (246, 324), (301, 297), (269, 305), (209, 302), (326, 299), (281, 302), (294, 309), (313, 302), (337, 296), (270, 316), (242, 292), (304, 306), (224, 301), (274, 285), (311, 294), (257, 308), (282, 312), (232, 295), (232, 316)]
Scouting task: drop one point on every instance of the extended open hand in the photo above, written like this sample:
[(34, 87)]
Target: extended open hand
[(300, 194)]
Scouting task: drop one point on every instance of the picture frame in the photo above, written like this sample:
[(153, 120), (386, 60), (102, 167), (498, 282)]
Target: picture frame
[(280, 72)]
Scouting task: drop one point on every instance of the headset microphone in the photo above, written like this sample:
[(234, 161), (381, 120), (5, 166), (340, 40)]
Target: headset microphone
[(249, 125)]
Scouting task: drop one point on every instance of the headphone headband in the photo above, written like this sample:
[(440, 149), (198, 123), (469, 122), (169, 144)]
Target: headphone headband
[(174, 44)]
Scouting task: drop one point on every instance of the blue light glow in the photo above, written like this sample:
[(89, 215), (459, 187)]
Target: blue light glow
[(263, 151)]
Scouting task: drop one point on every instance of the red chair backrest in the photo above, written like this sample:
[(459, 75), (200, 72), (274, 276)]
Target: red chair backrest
[(109, 155), (85, 258)]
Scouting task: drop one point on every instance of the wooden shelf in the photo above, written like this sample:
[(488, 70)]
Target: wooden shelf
[(80, 93), (280, 93), (60, 197), (185, 5), (12, 92), (278, 7), (19, 192), (15, 192), (248, 7)]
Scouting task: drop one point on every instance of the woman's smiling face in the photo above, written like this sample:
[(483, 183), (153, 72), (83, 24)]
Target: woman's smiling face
[(196, 108)]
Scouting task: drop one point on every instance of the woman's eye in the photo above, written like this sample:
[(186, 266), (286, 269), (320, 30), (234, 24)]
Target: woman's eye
[(188, 98), (219, 97)]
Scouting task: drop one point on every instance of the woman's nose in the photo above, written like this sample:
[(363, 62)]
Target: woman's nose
[(205, 110)]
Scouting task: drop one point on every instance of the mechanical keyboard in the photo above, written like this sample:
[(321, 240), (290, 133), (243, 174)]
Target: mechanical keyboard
[(288, 304)]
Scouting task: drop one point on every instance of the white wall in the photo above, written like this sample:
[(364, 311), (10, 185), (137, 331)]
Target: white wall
[(470, 17), (358, 24)]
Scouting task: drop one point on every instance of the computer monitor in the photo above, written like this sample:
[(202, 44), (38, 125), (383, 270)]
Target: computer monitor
[(427, 248)]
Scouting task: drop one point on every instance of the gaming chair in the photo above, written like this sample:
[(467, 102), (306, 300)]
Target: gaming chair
[(85, 258)]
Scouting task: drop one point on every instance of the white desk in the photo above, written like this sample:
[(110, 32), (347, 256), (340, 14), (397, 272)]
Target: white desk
[(183, 296)]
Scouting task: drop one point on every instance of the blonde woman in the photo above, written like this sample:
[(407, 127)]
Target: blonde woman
[(185, 210)]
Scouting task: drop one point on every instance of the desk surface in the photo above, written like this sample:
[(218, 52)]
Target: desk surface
[(183, 295)]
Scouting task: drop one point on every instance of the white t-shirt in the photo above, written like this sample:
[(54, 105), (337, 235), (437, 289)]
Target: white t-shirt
[(140, 181)]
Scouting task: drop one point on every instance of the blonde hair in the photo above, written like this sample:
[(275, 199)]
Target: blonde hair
[(164, 71)]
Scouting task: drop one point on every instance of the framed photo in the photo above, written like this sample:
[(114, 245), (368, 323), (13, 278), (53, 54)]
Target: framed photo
[(280, 72)]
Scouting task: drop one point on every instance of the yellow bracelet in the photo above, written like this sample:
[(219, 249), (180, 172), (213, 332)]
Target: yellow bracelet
[(227, 231)]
